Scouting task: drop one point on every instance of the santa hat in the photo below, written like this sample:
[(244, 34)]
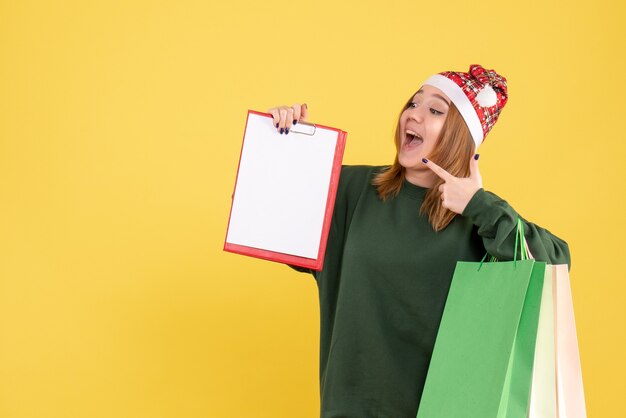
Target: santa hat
[(479, 95)]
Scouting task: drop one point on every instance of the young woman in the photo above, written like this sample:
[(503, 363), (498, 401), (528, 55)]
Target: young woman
[(396, 236)]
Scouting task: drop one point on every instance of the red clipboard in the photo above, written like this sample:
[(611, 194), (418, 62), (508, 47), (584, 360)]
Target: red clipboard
[(281, 178)]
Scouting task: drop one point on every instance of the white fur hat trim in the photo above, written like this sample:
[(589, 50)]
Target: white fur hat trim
[(460, 100)]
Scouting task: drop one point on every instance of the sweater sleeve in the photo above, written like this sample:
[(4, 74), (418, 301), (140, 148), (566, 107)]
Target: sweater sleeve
[(497, 221)]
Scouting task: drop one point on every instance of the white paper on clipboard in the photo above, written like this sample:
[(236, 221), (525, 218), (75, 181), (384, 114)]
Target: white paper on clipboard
[(282, 188)]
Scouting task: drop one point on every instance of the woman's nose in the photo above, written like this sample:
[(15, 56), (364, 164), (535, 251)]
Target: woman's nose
[(417, 114)]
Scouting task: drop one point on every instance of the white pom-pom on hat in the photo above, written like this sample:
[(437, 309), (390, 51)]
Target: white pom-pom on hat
[(487, 97)]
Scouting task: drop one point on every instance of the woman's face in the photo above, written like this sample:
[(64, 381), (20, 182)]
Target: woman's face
[(420, 125)]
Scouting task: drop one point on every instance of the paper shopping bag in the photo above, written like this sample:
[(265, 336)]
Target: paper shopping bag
[(569, 381), (483, 357), (543, 393), (518, 382), (557, 385)]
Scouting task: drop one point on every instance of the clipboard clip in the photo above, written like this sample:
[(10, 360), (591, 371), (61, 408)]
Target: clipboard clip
[(303, 128)]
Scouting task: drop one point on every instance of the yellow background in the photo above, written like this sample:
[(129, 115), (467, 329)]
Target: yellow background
[(120, 130)]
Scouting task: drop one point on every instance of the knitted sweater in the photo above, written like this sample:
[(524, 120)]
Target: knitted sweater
[(384, 284)]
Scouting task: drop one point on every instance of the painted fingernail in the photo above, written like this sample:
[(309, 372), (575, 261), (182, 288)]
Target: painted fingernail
[(295, 121), (286, 131), (476, 156), (424, 160), (277, 125), (282, 130)]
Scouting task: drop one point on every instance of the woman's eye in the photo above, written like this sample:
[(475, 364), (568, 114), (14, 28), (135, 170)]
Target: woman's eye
[(433, 111)]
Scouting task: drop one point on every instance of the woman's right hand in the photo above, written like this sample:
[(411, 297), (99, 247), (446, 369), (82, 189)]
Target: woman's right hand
[(285, 117)]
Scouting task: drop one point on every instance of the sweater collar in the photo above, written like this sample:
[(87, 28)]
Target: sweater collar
[(413, 191)]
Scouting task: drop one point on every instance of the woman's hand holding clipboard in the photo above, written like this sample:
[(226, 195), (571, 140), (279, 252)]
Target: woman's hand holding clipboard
[(285, 117)]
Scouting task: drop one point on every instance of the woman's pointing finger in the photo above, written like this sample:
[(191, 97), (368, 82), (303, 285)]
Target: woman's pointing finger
[(438, 170)]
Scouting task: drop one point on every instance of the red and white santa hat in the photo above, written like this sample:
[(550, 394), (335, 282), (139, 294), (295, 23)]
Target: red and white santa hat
[(479, 95)]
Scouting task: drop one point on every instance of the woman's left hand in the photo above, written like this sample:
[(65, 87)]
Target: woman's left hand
[(456, 192)]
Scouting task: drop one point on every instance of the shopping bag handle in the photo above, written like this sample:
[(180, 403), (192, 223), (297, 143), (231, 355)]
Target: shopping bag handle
[(520, 242), (519, 237)]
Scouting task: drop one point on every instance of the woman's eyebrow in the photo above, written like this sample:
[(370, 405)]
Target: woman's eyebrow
[(439, 96)]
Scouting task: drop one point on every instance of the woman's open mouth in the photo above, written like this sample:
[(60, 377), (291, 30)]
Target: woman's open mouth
[(412, 139)]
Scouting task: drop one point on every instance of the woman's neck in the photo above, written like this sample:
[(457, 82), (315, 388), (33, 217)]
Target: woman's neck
[(421, 177)]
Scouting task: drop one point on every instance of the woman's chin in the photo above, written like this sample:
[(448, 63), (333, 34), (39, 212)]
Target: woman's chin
[(409, 160)]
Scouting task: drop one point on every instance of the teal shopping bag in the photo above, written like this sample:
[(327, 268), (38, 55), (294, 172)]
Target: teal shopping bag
[(482, 361)]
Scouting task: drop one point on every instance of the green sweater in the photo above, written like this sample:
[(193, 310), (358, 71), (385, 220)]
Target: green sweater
[(384, 285)]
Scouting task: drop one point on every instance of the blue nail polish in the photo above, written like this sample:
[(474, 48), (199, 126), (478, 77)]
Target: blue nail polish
[(286, 131), (277, 125), (282, 130), (424, 160), (476, 156)]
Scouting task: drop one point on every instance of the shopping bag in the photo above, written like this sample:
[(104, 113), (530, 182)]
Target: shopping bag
[(569, 381), (543, 389), (557, 385), (518, 382), (483, 357)]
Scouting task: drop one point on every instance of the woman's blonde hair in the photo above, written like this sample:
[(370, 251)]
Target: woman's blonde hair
[(452, 152)]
